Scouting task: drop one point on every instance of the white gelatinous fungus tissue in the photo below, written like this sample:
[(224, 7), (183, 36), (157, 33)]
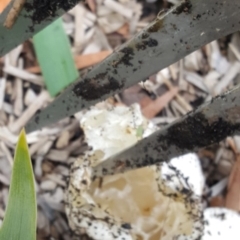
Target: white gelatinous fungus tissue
[(221, 224), (151, 203)]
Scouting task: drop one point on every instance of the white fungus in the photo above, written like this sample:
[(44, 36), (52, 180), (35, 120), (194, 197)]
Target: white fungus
[(151, 203)]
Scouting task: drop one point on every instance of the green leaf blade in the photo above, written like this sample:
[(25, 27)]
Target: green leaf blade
[(21, 214), (55, 58)]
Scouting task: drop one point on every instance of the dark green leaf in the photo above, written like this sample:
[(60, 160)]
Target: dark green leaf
[(20, 218), (55, 58)]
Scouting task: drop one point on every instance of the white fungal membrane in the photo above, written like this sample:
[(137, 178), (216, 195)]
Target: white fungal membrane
[(151, 203), (221, 224)]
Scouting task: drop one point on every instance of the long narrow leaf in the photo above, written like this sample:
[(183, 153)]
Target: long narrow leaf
[(169, 38), (55, 58), (20, 219)]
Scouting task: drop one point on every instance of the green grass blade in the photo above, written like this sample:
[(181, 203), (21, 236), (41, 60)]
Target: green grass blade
[(55, 58), (20, 219)]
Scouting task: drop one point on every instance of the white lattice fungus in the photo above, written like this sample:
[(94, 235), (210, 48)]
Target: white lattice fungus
[(85, 215), (152, 203), (221, 224), (114, 129), (190, 167)]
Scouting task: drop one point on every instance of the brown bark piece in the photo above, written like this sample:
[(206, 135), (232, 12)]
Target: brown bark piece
[(153, 108), (3, 4), (233, 194), (145, 102), (124, 30), (217, 201), (92, 5), (81, 61)]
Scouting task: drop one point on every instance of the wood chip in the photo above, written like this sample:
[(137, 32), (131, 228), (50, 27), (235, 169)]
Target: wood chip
[(218, 188), (7, 136), (58, 155), (224, 167), (192, 62), (111, 22), (211, 80), (58, 195), (5, 167), (235, 51), (79, 36), (102, 10), (63, 140), (52, 204), (217, 201), (145, 102), (38, 166), (101, 39), (30, 97), (227, 78), (161, 120), (83, 61), (73, 146), (18, 103), (3, 4), (133, 23), (175, 105), (237, 144), (119, 8), (48, 185), (152, 109), (8, 108), (179, 98), (57, 179), (92, 47), (2, 91), (233, 192), (44, 149), (196, 80), (42, 221), (36, 146), (92, 5), (12, 57), (47, 167), (4, 180), (3, 118), (7, 153), (9, 89), (124, 30), (215, 58), (30, 111), (22, 74), (62, 170)]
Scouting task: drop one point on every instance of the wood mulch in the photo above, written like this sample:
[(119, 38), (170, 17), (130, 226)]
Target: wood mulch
[(95, 29)]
